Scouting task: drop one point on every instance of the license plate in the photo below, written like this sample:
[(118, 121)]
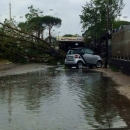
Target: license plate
[(70, 57)]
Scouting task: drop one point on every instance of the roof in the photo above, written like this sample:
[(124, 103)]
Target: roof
[(77, 39)]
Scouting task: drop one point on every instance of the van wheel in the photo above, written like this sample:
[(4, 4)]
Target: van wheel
[(98, 64), (79, 65)]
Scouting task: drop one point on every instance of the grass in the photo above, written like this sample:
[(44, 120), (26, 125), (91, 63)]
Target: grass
[(113, 68)]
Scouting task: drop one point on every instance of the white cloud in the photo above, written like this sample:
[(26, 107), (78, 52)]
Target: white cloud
[(126, 10), (67, 10)]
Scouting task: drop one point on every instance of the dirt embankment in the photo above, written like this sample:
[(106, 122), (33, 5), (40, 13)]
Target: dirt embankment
[(118, 77)]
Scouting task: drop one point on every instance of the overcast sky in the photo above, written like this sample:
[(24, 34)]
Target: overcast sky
[(67, 10)]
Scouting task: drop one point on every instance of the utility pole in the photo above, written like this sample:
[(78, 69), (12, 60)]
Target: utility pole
[(107, 28), (10, 11)]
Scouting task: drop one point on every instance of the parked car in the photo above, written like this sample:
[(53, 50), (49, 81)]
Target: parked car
[(80, 57)]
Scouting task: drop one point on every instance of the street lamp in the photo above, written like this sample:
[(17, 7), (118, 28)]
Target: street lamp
[(10, 11)]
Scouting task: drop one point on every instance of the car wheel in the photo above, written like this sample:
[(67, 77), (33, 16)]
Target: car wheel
[(79, 65), (99, 64)]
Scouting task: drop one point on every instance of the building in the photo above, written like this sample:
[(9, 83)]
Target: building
[(70, 42)]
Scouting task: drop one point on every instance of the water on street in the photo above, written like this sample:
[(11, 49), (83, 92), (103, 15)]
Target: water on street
[(59, 99)]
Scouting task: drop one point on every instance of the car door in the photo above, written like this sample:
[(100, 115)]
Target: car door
[(88, 56)]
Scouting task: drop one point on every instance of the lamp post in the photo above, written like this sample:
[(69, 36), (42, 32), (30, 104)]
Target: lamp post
[(10, 11)]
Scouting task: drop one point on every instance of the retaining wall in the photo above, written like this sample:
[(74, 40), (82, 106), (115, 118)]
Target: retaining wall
[(121, 65)]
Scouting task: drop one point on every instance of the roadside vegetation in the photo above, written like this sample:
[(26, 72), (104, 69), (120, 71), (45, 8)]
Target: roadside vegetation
[(25, 41), (98, 19), (101, 17)]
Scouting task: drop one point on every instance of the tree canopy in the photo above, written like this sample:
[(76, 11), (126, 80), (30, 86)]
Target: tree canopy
[(118, 23), (36, 24), (97, 13)]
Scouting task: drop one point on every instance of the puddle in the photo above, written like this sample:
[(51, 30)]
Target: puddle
[(58, 99)]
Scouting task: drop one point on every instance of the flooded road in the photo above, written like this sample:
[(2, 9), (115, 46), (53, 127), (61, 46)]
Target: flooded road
[(58, 99)]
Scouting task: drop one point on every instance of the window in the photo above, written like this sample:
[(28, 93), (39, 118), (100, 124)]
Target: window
[(72, 52), (81, 51), (88, 51)]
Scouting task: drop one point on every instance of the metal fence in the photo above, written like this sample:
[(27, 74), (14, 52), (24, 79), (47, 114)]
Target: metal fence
[(121, 43)]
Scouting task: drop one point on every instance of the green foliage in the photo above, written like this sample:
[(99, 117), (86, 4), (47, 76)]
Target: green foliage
[(11, 23), (32, 13), (96, 13), (33, 23), (36, 24), (23, 26), (55, 60), (118, 23), (49, 22), (18, 46)]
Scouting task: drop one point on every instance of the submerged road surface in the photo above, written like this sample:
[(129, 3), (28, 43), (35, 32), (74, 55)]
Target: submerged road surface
[(58, 99)]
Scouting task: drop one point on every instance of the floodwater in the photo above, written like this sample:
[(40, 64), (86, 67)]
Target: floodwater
[(58, 99)]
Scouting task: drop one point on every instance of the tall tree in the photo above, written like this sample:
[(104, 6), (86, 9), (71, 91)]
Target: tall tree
[(23, 26), (32, 13), (49, 22), (37, 26), (33, 23), (96, 13)]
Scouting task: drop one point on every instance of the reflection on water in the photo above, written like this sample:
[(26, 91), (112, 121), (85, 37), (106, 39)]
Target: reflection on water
[(61, 99)]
